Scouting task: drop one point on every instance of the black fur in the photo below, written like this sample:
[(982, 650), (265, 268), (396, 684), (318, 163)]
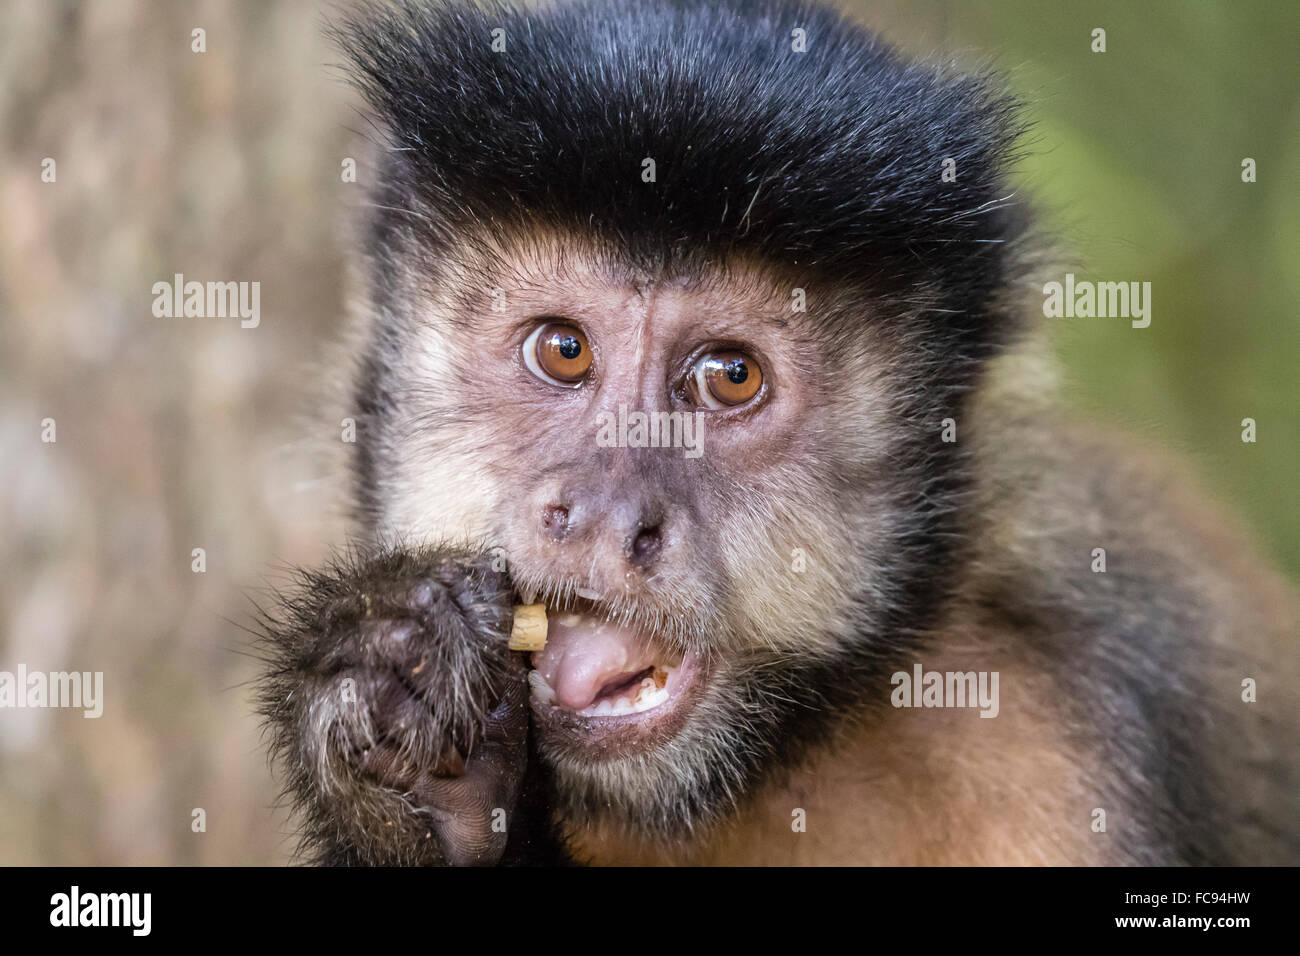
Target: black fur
[(827, 161)]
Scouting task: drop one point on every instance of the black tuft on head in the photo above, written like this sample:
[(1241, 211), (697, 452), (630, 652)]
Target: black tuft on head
[(829, 160)]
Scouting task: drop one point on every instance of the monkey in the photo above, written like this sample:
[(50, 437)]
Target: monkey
[(586, 211)]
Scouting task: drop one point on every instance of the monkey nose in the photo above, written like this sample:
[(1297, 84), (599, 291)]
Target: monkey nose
[(602, 528), (644, 545), (555, 521)]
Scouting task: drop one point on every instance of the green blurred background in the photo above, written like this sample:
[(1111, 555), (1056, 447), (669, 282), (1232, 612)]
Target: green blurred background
[(175, 435), (1135, 167)]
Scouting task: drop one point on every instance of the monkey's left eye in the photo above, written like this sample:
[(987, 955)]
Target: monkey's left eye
[(557, 352), (724, 379)]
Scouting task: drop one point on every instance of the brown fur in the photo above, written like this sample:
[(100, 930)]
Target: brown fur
[(935, 787)]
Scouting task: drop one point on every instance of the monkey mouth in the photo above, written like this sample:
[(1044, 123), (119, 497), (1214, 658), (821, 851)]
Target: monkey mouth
[(601, 676)]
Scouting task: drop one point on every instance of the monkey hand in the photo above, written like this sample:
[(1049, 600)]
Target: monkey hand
[(399, 712)]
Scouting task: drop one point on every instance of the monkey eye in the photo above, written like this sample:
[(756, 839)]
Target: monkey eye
[(557, 352), (724, 379)]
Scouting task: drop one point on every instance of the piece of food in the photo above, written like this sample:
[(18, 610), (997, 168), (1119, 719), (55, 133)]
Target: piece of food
[(529, 630)]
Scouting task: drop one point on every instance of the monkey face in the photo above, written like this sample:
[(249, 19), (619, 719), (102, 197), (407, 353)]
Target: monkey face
[(664, 460), (564, 257)]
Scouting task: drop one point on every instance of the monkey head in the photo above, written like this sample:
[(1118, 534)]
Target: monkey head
[(669, 316)]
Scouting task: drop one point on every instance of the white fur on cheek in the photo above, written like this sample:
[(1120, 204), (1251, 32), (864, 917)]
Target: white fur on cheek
[(435, 488)]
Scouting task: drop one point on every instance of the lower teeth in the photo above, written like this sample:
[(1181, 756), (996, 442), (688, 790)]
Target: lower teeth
[(650, 693), (647, 698)]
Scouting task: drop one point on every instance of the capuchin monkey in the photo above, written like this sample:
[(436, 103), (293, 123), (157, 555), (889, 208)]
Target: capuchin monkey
[(674, 324)]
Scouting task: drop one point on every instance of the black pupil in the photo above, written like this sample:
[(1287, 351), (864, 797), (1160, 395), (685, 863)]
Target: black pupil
[(737, 371), (570, 347)]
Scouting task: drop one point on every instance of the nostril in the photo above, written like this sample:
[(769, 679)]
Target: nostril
[(646, 545), (555, 519)]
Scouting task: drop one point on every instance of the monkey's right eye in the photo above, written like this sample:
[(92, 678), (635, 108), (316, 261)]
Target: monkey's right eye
[(557, 352)]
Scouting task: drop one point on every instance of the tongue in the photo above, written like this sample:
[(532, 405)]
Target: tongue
[(584, 655)]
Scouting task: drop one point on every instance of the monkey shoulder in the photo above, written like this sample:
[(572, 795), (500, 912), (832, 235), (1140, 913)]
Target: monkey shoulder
[(1154, 621)]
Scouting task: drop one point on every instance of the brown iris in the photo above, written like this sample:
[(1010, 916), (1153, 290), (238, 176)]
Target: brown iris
[(562, 352), (727, 378)]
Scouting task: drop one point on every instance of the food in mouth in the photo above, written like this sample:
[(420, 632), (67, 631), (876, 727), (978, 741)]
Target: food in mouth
[(594, 666), (528, 633)]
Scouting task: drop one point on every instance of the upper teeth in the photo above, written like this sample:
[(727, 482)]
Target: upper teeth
[(542, 691)]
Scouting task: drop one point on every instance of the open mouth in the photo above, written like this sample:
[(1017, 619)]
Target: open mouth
[(599, 674)]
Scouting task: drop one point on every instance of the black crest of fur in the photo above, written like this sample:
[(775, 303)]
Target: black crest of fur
[(828, 160)]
